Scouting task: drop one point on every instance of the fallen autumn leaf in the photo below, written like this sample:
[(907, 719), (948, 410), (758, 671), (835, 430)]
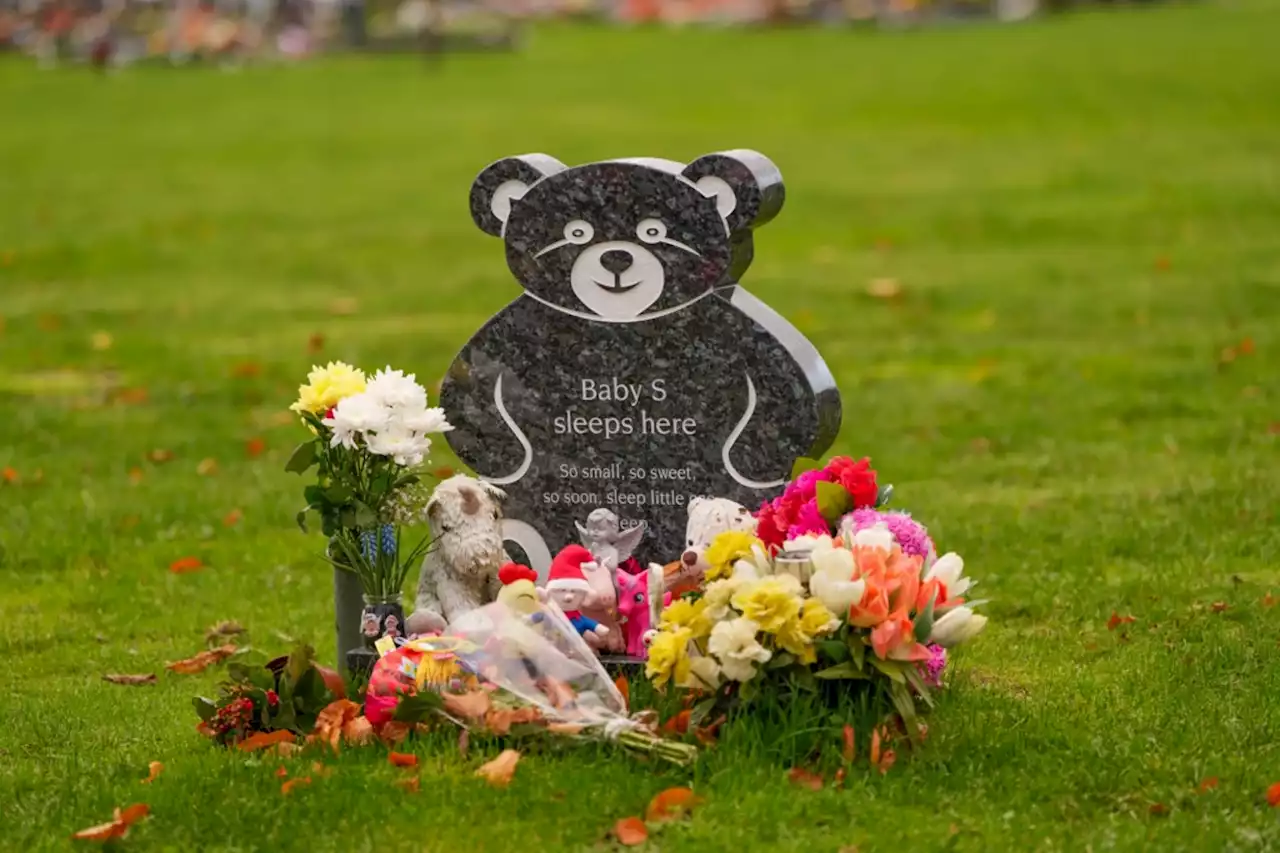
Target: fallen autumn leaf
[(263, 740), (671, 804), (149, 678), (804, 778), (1117, 620), (255, 447), (402, 759), (500, 770), (154, 769), (201, 661), (288, 786), (183, 565), (630, 831)]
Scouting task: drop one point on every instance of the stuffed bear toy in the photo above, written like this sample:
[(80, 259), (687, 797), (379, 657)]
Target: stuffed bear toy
[(633, 372)]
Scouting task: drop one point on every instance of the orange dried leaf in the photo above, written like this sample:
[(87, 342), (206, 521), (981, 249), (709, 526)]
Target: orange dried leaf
[(333, 719), (1117, 620), (1209, 783), (500, 770), (184, 565), (321, 770), (402, 759), (9, 475), (358, 731), (149, 678), (154, 769), (849, 751), (875, 747), (315, 343), (202, 661), (671, 804), (133, 813), (624, 687), (1273, 795), (677, 725), (412, 784), (1219, 606), (804, 778), (1268, 600), (255, 447), (135, 475), (630, 831), (469, 706), (887, 760), (102, 832), (444, 472), (159, 456), (232, 518), (1246, 346), (207, 467), (281, 772), (1159, 810), (565, 728), (393, 732), (884, 288), (707, 734), (133, 396), (288, 786), (287, 749), (246, 370), (840, 775), (262, 740)]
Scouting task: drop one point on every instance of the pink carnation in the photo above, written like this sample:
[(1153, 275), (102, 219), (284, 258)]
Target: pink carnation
[(805, 487), (909, 533), (809, 521), (931, 669)]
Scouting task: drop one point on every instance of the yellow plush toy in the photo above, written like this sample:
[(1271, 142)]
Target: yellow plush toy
[(518, 592)]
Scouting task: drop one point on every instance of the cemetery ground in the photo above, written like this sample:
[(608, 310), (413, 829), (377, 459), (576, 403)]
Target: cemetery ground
[(1041, 261)]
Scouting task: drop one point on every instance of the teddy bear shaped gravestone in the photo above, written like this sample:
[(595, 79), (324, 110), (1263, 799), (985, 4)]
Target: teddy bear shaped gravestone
[(633, 372)]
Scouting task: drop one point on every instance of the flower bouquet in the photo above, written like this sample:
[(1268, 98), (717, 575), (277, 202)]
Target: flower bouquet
[(368, 437), (833, 605)]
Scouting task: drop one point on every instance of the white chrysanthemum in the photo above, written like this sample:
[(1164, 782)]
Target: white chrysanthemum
[(420, 420), (394, 390), (406, 448), (735, 645), (354, 417), (717, 595)]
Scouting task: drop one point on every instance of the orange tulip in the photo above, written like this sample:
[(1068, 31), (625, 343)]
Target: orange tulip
[(872, 610)]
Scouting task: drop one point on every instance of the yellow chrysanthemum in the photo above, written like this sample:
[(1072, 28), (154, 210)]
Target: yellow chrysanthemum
[(816, 619), (726, 549), (669, 657), (693, 615), (769, 602), (327, 385)]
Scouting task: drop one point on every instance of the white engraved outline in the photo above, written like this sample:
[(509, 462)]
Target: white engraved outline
[(520, 437), (583, 315), (733, 437)]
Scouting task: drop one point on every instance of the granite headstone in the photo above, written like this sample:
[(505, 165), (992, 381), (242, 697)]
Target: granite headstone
[(633, 372)]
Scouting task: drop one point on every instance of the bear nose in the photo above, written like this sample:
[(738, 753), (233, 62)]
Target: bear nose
[(616, 261), (689, 558)]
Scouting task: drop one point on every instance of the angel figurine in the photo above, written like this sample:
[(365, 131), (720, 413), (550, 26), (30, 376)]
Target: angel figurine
[(612, 548)]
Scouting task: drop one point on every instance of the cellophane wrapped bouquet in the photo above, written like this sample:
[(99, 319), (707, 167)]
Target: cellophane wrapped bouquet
[(833, 604)]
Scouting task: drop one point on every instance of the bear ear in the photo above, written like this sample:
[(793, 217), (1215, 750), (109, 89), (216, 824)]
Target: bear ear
[(503, 182), (746, 185)]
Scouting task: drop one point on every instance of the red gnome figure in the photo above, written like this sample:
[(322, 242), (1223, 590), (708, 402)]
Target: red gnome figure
[(567, 586)]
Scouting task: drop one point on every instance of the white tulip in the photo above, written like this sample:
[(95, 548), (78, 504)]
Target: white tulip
[(949, 570), (876, 536), (745, 570), (837, 595), (957, 626)]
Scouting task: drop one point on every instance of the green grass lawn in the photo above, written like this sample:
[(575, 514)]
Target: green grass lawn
[(1076, 389)]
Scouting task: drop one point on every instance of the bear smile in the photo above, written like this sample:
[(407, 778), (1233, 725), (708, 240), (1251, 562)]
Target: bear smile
[(618, 286)]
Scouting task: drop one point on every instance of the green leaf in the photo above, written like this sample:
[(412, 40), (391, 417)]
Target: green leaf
[(300, 660), (906, 706), (365, 517), (337, 493), (857, 650), (884, 495), (304, 456), (834, 650), (407, 480), (301, 518), (204, 707), (840, 670), (917, 684), (314, 496), (924, 624), (804, 465), (419, 708), (701, 711), (833, 501), (346, 519), (893, 669), (803, 678), (780, 660), (747, 690)]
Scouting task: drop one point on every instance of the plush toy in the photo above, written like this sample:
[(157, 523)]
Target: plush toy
[(612, 549), (567, 586), (708, 518), (460, 572), (518, 591), (637, 595)]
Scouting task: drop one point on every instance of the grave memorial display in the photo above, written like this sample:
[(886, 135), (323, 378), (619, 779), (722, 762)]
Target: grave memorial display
[(634, 371)]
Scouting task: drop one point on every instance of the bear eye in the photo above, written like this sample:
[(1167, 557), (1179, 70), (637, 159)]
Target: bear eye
[(651, 230), (579, 232)]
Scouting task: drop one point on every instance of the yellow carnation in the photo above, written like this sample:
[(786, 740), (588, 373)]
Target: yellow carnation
[(693, 615), (726, 549), (669, 657), (816, 619), (327, 385), (769, 602), (792, 637)]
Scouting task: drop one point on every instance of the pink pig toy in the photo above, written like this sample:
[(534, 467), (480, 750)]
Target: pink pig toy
[(635, 610)]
